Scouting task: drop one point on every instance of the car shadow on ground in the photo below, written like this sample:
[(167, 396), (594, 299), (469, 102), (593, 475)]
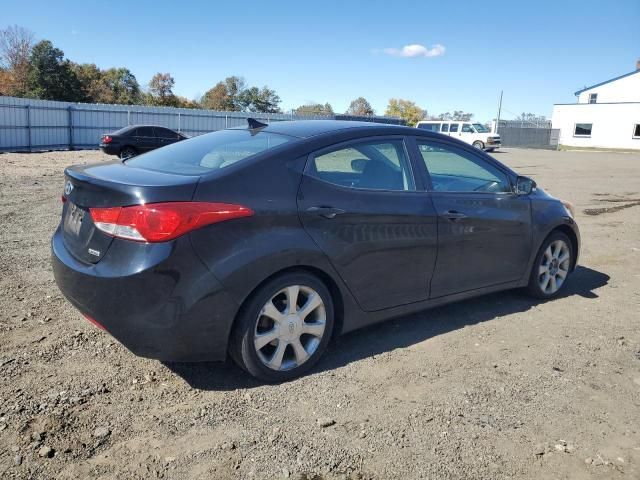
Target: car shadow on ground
[(397, 333)]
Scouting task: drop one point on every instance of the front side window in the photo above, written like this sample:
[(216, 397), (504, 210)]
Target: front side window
[(453, 127), (454, 170), (582, 130), (593, 98), (466, 128), (210, 152), (445, 127), (377, 165), (636, 130), (480, 128)]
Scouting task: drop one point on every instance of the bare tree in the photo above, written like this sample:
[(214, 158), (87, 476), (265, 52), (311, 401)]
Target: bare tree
[(15, 47)]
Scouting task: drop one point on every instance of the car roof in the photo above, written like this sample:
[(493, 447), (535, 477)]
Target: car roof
[(311, 128)]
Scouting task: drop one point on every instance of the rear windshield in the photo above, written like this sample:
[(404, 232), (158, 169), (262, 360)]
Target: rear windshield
[(210, 152)]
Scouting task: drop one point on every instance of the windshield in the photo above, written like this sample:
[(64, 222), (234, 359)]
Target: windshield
[(209, 152), (480, 128)]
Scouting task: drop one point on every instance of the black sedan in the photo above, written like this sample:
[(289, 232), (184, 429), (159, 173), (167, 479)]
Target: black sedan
[(265, 242), (136, 139)]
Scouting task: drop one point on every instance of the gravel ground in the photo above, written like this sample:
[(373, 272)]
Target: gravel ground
[(497, 387)]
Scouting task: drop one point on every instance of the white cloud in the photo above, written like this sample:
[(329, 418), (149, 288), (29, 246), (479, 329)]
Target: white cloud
[(416, 50)]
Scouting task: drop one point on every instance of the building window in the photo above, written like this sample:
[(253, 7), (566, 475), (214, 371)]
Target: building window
[(636, 130), (582, 130), (593, 98)]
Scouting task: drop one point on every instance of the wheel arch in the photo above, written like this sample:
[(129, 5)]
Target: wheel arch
[(334, 290)]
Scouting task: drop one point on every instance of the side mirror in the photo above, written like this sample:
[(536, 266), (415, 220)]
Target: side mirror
[(358, 165), (525, 185)]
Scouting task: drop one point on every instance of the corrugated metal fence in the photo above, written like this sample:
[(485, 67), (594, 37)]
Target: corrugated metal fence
[(28, 125), (529, 137)]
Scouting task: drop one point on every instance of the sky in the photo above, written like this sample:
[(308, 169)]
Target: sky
[(444, 56)]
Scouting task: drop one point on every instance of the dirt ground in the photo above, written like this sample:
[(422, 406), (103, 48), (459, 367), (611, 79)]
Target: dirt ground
[(497, 387)]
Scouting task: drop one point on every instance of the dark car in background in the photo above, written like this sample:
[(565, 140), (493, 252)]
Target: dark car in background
[(136, 139), (263, 243)]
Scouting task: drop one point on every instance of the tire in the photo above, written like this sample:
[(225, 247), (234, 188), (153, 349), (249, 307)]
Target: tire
[(548, 278), (478, 144), (274, 345), (127, 152)]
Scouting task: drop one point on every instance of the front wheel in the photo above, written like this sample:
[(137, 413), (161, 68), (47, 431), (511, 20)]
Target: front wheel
[(551, 267), (478, 144), (284, 328)]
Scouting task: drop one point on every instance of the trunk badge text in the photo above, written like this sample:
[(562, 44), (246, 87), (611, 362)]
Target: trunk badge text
[(93, 252)]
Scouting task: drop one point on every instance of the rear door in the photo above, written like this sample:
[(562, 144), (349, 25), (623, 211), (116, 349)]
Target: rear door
[(484, 230), (145, 139), (358, 201)]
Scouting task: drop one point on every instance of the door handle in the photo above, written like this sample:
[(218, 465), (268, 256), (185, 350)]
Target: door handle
[(326, 212), (454, 215)]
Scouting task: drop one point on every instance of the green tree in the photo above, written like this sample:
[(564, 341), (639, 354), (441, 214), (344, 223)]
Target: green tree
[(314, 109), (161, 89), (360, 106), (51, 76), (256, 99), (123, 85), (225, 95), (406, 110)]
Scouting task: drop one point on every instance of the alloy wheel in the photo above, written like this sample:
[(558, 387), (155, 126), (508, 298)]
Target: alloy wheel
[(290, 327), (554, 267)]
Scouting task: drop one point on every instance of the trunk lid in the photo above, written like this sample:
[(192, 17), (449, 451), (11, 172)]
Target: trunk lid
[(114, 184)]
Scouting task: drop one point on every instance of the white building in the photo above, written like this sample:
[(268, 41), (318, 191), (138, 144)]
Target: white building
[(607, 115)]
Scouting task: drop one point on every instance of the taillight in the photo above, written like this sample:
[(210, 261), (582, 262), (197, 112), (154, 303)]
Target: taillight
[(106, 139), (159, 222)]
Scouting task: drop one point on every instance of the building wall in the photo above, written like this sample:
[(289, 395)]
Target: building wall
[(613, 124), (626, 89)]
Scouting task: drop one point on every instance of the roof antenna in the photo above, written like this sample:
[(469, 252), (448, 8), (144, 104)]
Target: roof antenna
[(253, 123)]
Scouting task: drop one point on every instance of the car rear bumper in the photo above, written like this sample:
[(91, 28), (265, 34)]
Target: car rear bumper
[(160, 303), (110, 149)]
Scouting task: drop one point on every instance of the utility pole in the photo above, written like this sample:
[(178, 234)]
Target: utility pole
[(499, 110)]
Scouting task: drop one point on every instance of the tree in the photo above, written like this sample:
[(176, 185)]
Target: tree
[(123, 85), (462, 116), (314, 109), (51, 76), (91, 82), (161, 89), (406, 110), (360, 106), (225, 95), (263, 100), (15, 48)]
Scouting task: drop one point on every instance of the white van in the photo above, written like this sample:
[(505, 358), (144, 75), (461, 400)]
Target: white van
[(474, 134)]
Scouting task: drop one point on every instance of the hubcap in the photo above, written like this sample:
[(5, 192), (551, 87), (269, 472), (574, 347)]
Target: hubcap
[(554, 267), (290, 327)]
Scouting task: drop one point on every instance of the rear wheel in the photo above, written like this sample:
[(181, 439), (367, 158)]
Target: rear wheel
[(551, 267), (284, 328), (478, 144), (128, 152)]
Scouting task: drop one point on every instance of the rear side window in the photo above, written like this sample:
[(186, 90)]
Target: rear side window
[(210, 152), (445, 127), (454, 127), (376, 165), (144, 132)]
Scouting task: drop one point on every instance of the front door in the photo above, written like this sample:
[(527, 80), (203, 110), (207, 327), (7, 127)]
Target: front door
[(359, 202), (484, 230)]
